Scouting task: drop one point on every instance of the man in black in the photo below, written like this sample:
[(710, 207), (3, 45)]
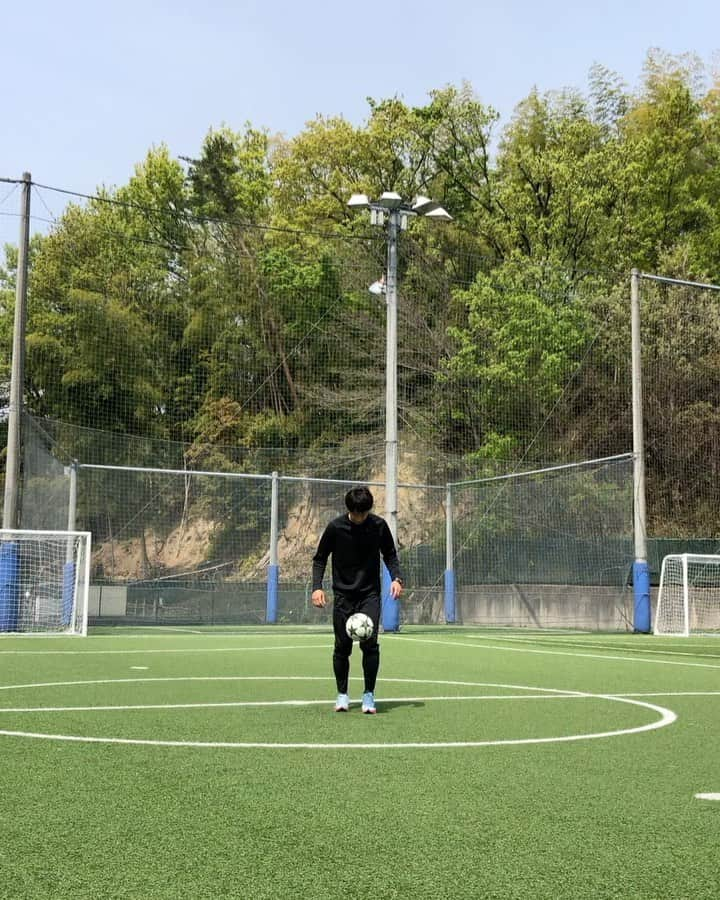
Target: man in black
[(356, 541)]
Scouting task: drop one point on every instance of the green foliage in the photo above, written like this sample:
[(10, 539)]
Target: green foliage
[(221, 300), (524, 335)]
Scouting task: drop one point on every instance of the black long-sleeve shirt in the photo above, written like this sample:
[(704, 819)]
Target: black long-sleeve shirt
[(356, 551)]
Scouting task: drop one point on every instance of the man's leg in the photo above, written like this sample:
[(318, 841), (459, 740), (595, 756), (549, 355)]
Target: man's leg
[(343, 644), (370, 662), (370, 648)]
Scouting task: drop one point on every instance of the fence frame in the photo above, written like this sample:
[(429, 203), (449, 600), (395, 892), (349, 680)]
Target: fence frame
[(390, 606)]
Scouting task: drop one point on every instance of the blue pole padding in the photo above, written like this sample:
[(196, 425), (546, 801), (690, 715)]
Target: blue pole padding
[(641, 591), (9, 587), (390, 606), (68, 597), (272, 594), (449, 596)]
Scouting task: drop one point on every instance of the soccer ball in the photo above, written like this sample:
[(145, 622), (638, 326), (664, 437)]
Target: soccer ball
[(359, 627)]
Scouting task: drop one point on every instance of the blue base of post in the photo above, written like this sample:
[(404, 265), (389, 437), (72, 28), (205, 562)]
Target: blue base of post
[(390, 606), (449, 597), (272, 595), (641, 592), (9, 571), (68, 598)]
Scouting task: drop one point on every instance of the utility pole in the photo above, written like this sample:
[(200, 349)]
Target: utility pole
[(17, 372)]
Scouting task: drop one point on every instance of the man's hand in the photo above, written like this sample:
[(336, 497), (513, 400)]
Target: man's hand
[(318, 598), (396, 589)]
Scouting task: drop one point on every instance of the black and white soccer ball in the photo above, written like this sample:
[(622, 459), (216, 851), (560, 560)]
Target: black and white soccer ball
[(359, 627)]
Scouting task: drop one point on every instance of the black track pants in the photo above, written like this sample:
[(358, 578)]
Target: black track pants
[(344, 607)]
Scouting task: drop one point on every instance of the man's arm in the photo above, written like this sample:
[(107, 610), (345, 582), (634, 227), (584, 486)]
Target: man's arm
[(319, 563), (390, 557)]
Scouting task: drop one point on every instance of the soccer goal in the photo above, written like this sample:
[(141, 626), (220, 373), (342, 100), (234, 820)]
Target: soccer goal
[(689, 596), (44, 578)]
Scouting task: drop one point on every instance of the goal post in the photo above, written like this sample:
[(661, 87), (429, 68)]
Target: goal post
[(689, 595), (44, 582)]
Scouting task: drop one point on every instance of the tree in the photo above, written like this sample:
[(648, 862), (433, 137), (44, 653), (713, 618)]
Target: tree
[(523, 340)]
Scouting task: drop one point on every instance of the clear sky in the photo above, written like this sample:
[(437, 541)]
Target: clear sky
[(89, 87)]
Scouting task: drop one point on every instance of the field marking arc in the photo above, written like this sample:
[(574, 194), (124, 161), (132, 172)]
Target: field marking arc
[(508, 649), (667, 717)]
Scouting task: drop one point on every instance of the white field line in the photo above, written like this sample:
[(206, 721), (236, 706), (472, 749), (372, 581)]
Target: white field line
[(494, 637), (591, 645), (44, 684), (242, 703), (670, 694), (165, 632), (429, 698), (667, 717), (570, 695), (178, 629), (602, 656), (324, 646), (266, 745), (545, 692)]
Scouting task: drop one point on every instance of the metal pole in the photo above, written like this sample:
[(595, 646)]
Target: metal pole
[(72, 496), (72, 510), (641, 572), (390, 606), (450, 615), (391, 412), (17, 372), (273, 576)]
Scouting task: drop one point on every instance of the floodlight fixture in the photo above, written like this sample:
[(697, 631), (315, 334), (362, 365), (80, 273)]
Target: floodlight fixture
[(423, 205), (359, 201), (390, 200), (440, 214)]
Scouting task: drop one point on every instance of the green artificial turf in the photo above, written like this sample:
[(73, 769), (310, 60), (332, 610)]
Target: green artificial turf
[(614, 816)]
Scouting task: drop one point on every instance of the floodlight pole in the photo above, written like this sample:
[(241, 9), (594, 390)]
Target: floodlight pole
[(391, 404), (17, 371), (398, 212)]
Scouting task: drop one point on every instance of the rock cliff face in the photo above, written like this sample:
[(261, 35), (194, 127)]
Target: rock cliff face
[(184, 550)]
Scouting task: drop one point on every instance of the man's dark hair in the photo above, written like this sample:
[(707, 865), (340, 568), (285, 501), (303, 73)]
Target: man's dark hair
[(359, 500)]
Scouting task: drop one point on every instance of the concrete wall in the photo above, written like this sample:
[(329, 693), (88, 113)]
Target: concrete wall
[(107, 600), (547, 606)]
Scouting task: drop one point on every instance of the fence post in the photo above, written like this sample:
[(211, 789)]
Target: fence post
[(390, 606), (450, 617), (273, 576), (641, 570)]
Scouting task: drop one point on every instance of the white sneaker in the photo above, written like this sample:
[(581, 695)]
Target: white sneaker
[(368, 703), (342, 704)]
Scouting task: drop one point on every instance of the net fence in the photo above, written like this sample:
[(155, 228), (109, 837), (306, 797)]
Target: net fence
[(164, 338), (260, 342), (195, 547), (550, 547), (681, 387)]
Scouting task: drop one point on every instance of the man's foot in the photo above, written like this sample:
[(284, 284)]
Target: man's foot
[(368, 703), (342, 704)]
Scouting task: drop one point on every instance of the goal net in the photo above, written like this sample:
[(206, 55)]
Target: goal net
[(689, 595), (44, 578)]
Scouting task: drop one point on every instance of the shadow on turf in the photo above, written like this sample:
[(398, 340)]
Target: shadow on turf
[(384, 706)]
